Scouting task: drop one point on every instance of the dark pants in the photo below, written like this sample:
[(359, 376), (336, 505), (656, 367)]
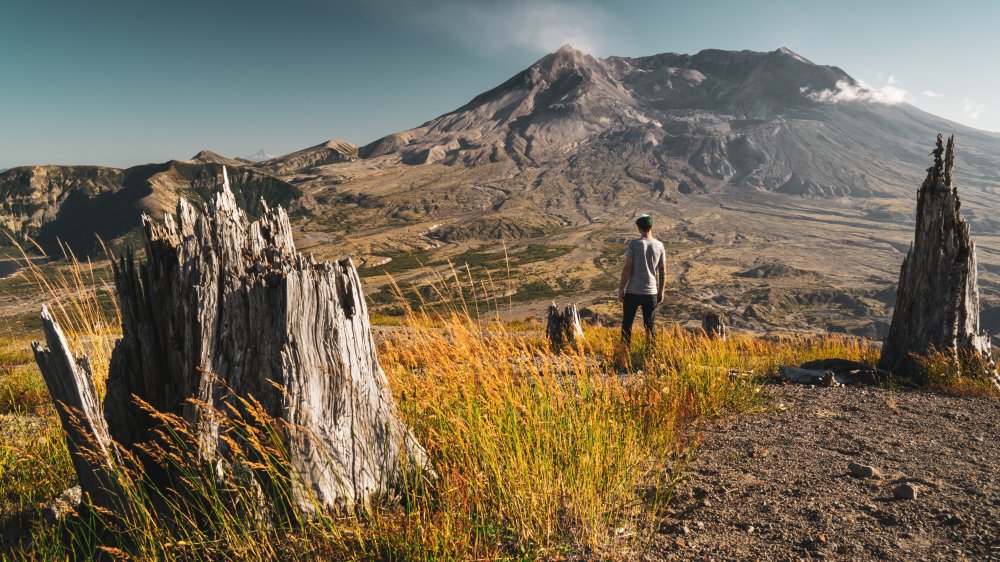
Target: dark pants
[(629, 307)]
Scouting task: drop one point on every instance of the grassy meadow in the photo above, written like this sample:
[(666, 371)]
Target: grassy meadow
[(539, 454)]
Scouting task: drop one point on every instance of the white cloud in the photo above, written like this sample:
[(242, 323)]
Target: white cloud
[(497, 27), (845, 92), (932, 94), (972, 110)]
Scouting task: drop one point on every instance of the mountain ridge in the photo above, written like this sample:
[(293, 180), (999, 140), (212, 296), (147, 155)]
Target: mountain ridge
[(715, 109), (736, 153)]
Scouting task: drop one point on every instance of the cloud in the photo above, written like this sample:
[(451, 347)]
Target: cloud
[(932, 94), (972, 110), (845, 92), (497, 27)]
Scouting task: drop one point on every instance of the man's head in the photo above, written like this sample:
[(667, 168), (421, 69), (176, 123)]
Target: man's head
[(645, 223)]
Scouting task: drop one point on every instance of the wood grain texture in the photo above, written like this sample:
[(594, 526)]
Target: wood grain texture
[(937, 300), (71, 386), (226, 309), (714, 326)]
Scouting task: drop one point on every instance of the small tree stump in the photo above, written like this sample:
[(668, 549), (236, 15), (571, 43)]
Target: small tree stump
[(563, 328), (224, 310), (714, 326)]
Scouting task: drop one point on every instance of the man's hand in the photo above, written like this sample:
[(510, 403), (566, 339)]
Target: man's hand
[(621, 294), (659, 299)]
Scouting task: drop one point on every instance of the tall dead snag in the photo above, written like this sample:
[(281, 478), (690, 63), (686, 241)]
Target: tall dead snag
[(563, 328), (225, 310), (937, 301), (714, 326)]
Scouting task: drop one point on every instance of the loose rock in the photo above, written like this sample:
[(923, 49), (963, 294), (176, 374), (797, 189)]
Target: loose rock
[(905, 491), (863, 471)]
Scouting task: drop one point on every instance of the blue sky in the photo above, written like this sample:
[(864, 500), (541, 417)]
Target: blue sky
[(127, 82)]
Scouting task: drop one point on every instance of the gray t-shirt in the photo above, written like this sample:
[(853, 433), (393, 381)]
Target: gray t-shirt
[(646, 254)]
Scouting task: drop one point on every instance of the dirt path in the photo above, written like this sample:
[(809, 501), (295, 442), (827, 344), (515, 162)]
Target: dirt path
[(777, 486)]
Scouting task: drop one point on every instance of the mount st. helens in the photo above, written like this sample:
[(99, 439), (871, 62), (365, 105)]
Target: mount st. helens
[(782, 205)]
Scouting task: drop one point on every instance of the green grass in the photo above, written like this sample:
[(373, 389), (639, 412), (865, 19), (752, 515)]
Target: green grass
[(401, 262)]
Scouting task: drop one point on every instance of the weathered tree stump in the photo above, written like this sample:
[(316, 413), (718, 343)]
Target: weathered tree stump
[(937, 301), (71, 386), (714, 326), (225, 309), (563, 328)]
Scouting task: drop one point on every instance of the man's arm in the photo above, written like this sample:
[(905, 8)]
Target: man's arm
[(626, 274), (661, 280)]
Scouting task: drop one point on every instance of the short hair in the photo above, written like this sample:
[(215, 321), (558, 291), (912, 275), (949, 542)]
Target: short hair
[(645, 222)]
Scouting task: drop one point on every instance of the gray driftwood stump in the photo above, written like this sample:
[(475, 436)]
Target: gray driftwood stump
[(937, 301), (224, 308), (714, 326), (563, 328)]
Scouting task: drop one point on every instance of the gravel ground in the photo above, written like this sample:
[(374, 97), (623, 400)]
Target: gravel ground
[(778, 486)]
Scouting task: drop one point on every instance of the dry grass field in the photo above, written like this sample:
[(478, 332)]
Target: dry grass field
[(538, 454)]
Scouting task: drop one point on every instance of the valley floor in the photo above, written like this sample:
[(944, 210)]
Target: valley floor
[(777, 486)]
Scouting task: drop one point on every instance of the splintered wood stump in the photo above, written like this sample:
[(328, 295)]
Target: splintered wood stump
[(563, 328), (937, 301), (71, 386), (714, 326), (225, 309)]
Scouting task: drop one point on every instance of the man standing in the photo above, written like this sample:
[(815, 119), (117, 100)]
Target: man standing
[(643, 279)]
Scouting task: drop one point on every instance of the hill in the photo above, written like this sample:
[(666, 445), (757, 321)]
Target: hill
[(783, 189), (75, 203)]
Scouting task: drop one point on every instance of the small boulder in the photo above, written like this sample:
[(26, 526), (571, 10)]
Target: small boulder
[(863, 471), (905, 491)]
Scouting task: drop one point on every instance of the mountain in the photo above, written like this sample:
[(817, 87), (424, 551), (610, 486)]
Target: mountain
[(751, 162), (75, 203), (260, 156), (330, 152), (784, 190), (748, 120), (209, 157)]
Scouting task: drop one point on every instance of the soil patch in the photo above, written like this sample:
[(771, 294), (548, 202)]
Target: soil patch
[(778, 486)]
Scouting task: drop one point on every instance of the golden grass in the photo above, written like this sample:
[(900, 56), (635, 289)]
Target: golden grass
[(81, 300), (540, 455), (964, 374)]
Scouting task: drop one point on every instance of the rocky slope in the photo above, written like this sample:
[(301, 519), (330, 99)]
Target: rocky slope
[(779, 485), (748, 160), (762, 121), (31, 197), (330, 152), (76, 203)]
